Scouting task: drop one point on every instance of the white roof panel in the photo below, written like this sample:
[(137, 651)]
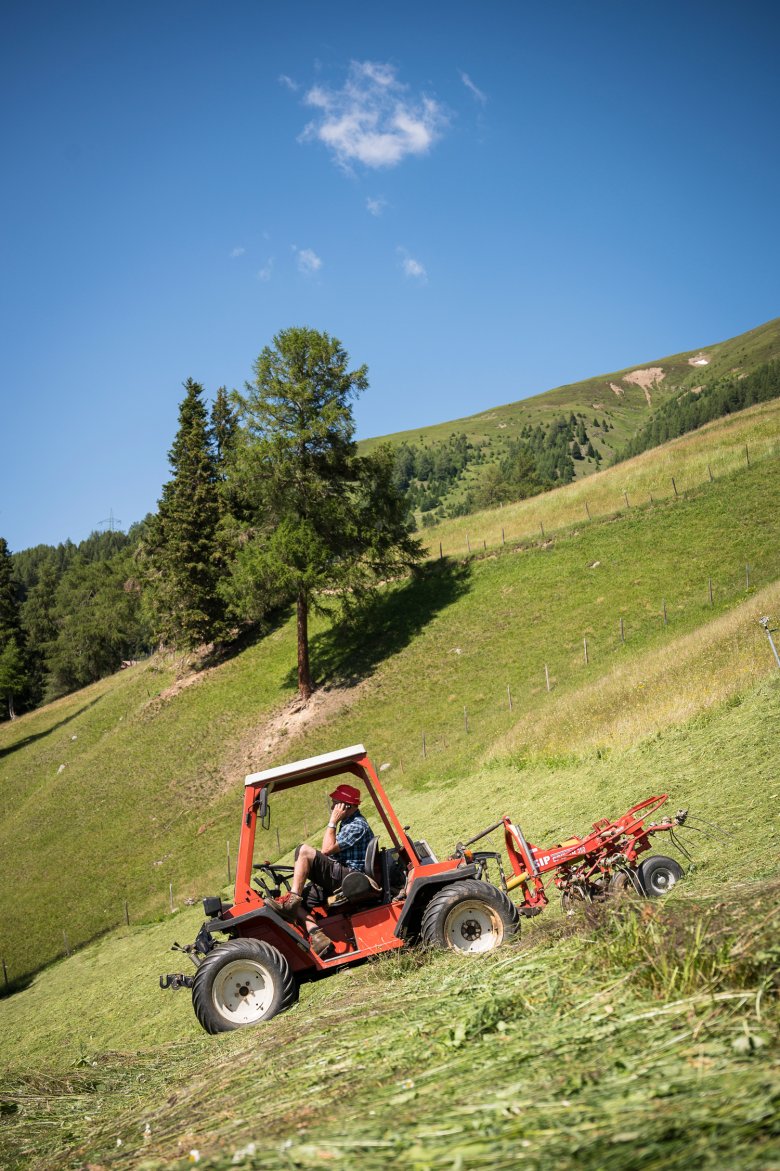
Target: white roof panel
[(301, 767)]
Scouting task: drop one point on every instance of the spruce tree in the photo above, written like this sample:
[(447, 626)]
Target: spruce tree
[(224, 422), (13, 673), (180, 552)]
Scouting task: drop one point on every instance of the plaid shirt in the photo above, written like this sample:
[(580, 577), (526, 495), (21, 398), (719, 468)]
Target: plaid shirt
[(353, 835)]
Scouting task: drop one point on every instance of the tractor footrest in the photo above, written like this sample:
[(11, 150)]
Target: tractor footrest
[(176, 980)]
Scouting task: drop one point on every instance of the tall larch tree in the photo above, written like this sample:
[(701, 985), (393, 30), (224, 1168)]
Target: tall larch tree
[(320, 522)]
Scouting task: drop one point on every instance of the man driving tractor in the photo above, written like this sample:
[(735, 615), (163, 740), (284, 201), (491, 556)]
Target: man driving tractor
[(319, 873)]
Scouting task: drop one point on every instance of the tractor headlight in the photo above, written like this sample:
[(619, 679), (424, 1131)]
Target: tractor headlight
[(212, 905)]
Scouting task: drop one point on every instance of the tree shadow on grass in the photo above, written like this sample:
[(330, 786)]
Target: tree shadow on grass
[(27, 740), (352, 648)]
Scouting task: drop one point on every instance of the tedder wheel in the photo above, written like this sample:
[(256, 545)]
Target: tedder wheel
[(240, 983), (469, 917), (658, 874)]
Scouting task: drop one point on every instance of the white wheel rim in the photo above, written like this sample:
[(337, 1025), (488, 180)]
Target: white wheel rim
[(472, 927), (242, 991), (663, 880)]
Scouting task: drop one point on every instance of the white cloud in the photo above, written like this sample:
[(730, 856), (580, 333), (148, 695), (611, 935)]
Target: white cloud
[(308, 260), (376, 206), (412, 267), (288, 81), (237, 252), (373, 119), (266, 272), (469, 84)]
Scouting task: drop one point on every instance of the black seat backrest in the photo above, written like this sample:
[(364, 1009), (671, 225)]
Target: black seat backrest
[(370, 867), (360, 885)]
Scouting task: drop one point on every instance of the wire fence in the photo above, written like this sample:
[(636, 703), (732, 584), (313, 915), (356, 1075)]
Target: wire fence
[(575, 507)]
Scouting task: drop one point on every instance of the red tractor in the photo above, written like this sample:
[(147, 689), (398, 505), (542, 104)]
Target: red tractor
[(405, 894)]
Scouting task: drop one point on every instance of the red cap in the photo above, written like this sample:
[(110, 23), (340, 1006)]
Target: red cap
[(346, 794)]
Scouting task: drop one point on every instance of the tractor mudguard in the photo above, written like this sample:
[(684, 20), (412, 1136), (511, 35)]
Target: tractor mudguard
[(426, 886), (229, 925)]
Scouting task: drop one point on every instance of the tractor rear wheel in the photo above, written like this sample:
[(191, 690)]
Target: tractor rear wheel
[(658, 874), (469, 917), (241, 983)]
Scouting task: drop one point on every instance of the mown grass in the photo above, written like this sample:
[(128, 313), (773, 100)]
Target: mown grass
[(610, 1041), (647, 1040), (150, 791)]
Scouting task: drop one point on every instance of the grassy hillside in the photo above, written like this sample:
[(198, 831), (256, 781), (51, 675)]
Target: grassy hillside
[(625, 408), (647, 1040), (130, 787), (613, 407), (655, 1034)]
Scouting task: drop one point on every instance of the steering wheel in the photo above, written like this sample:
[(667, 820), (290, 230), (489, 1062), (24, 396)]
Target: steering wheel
[(269, 878)]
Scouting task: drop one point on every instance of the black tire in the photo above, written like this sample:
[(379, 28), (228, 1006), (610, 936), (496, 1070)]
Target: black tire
[(241, 983), (623, 884), (469, 917), (658, 874)]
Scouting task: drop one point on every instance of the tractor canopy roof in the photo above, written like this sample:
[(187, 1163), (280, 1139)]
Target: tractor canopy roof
[(312, 767)]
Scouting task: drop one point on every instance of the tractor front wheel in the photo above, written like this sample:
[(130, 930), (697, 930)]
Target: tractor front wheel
[(658, 874), (469, 917), (241, 983)]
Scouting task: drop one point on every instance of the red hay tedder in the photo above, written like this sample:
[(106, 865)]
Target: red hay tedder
[(404, 896)]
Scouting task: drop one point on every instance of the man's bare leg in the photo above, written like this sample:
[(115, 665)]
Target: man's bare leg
[(302, 868)]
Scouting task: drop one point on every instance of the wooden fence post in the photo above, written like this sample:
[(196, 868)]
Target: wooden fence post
[(541, 526), (547, 676), (709, 587), (228, 862), (625, 497), (622, 631), (423, 746), (709, 469), (278, 840), (747, 577), (503, 539), (170, 894), (585, 644), (675, 487), (509, 695), (664, 606), (465, 718), (587, 509), (5, 974), (127, 914), (747, 455), (441, 555)]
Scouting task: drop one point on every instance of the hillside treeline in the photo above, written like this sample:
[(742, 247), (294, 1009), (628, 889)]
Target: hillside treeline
[(268, 504), (457, 477), (691, 409)]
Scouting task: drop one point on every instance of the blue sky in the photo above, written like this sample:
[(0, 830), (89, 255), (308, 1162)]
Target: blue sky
[(481, 200)]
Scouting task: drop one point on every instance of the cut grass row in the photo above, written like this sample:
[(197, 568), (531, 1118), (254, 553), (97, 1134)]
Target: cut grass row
[(599, 1044)]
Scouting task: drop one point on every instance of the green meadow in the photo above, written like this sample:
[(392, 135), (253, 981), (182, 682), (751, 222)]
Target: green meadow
[(558, 677)]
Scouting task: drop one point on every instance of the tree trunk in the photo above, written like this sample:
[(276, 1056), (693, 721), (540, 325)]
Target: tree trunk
[(305, 686)]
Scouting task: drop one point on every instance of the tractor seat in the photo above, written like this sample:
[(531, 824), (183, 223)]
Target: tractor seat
[(361, 886)]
